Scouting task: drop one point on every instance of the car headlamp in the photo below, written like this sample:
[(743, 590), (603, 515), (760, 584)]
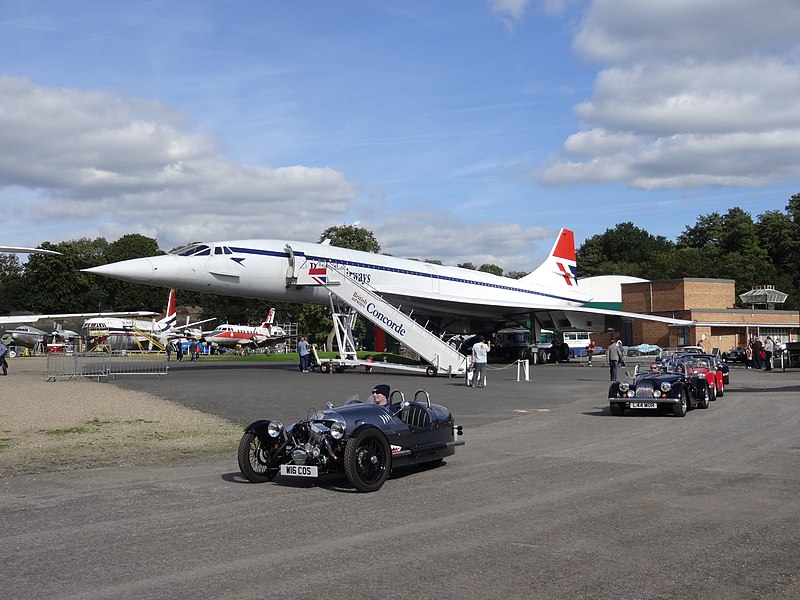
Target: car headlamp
[(624, 386), (666, 386), (275, 428), (338, 430)]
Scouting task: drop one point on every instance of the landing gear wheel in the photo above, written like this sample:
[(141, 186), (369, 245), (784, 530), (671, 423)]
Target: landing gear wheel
[(255, 461), (679, 409), (367, 460)]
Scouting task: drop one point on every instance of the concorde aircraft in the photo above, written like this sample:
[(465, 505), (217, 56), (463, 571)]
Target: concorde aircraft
[(267, 269)]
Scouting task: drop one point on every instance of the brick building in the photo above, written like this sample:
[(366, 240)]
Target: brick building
[(710, 303)]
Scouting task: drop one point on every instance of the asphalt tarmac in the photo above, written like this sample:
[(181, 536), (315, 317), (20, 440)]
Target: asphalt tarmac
[(551, 497)]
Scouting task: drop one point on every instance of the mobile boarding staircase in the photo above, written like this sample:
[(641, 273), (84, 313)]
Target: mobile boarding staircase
[(349, 298)]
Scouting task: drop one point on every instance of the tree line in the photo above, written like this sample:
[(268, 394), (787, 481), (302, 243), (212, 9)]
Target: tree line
[(725, 246)]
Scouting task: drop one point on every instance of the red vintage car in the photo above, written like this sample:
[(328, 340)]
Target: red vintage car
[(705, 366)]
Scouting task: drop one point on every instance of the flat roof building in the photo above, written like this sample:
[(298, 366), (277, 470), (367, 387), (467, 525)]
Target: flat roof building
[(711, 304)]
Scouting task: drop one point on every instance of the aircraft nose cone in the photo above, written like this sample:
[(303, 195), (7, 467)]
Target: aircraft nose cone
[(138, 270)]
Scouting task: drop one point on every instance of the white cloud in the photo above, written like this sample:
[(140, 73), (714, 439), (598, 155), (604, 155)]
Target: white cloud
[(438, 235), (509, 9), (696, 93), (625, 31), (98, 157), (101, 164)]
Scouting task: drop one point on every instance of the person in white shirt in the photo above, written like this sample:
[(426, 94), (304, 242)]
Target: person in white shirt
[(769, 348), (480, 353)]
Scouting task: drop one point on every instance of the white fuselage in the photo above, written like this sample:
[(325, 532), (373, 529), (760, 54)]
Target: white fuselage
[(123, 334), (231, 336), (263, 268)]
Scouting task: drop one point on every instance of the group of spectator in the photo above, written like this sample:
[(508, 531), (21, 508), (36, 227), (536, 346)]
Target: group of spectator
[(759, 355), (194, 351)]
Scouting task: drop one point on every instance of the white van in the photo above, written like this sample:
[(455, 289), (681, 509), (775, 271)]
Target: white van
[(576, 341)]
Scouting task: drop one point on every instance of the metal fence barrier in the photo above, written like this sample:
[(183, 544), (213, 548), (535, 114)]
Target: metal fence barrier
[(77, 365)]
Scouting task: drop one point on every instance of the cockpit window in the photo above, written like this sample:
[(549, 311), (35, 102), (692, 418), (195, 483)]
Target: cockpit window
[(193, 250)]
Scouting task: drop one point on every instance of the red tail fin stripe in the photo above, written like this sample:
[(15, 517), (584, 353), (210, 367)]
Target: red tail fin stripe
[(565, 273), (565, 246)]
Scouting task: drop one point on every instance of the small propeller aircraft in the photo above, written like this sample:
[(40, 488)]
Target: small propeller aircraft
[(231, 336)]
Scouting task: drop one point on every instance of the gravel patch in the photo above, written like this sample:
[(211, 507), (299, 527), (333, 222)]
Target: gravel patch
[(77, 424)]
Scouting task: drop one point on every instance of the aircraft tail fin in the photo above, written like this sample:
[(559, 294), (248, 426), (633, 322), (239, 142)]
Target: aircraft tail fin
[(560, 268), (171, 318), (269, 320)]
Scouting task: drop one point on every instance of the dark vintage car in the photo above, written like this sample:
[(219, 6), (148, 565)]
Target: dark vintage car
[(362, 440), (735, 355), (664, 389)]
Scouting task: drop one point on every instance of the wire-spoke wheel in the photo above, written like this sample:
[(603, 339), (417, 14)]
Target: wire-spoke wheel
[(367, 460), (255, 460)]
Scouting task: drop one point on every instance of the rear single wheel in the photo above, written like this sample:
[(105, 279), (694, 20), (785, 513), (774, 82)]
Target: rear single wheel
[(617, 409), (325, 367), (256, 461), (367, 460), (679, 409)]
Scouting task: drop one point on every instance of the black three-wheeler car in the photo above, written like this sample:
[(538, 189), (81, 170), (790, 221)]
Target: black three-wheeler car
[(665, 388), (362, 440)]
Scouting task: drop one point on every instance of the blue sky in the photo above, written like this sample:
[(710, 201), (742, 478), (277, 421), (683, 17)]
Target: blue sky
[(458, 130)]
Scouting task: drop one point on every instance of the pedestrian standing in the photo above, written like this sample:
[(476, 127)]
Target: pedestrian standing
[(179, 352), (168, 350), (590, 351), (614, 354), (3, 361), (769, 348), (302, 351), (192, 351), (748, 356), (480, 356), (758, 347)]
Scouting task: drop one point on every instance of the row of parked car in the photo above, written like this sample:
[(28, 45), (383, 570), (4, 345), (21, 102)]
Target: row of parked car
[(675, 383)]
